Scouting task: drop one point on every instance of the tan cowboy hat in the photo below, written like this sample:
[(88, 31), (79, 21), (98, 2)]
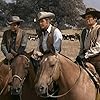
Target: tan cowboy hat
[(15, 19), (91, 11), (43, 14)]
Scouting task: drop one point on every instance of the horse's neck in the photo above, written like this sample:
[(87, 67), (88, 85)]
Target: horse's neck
[(69, 72)]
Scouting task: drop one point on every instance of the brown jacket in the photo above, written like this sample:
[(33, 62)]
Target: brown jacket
[(21, 41)]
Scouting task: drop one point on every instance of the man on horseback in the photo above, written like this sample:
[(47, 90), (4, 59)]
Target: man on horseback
[(50, 37), (90, 40), (14, 40)]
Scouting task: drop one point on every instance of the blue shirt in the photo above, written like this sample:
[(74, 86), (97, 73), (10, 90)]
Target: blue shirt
[(57, 39)]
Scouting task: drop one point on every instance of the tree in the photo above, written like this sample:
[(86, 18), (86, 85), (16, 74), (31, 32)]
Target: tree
[(66, 11)]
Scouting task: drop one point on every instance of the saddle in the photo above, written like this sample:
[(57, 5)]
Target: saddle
[(90, 69)]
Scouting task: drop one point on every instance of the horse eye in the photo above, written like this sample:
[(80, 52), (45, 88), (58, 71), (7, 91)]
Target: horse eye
[(52, 65), (27, 65)]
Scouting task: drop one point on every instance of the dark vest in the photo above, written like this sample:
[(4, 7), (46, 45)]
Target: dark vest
[(50, 40), (93, 36)]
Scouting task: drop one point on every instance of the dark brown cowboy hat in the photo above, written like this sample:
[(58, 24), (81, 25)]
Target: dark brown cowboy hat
[(15, 19), (44, 14), (91, 11)]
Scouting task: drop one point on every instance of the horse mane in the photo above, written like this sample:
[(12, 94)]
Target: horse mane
[(28, 55), (66, 57), (4, 69), (52, 53)]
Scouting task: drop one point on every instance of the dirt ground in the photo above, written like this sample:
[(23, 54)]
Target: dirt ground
[(69, 48)]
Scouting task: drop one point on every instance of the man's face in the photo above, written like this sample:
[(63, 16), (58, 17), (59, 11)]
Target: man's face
[(90, 20), (14, 27), (44, 23)]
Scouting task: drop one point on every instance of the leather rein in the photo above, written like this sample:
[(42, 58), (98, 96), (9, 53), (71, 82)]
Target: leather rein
[(17, 76)]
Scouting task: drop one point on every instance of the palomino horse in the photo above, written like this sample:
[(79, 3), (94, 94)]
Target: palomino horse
[(21, 86), (73, 80)]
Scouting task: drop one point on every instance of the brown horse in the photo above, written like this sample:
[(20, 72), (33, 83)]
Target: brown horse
[(21, 80), (73, 80)]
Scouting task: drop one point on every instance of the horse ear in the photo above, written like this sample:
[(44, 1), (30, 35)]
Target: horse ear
[(29, 53)]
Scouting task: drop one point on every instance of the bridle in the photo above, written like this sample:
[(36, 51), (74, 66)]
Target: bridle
[(61, 95), (17, 76), (20, 79), (7, 78)]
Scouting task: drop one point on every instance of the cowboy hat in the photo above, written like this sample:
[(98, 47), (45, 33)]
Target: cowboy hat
[(91, 11), (15, 19), (43, 14)]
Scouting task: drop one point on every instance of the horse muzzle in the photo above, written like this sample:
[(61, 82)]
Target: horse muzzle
[(16, 91), (41, 90)]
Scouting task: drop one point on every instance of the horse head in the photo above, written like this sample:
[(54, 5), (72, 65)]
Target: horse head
[(74, 82), (19, 71), (48, 73)]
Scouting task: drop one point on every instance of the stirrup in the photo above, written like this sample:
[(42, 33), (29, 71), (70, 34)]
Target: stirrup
[(97, 81), (98, 85)]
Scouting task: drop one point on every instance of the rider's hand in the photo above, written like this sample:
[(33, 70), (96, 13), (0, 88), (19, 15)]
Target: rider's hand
[(9, 56), (13, 52), (80, 58), (36, 54)]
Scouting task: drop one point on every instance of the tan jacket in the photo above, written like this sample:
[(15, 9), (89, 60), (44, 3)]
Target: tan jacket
[(90, 42)]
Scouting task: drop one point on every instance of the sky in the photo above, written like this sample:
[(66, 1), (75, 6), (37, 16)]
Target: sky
[(92, 3), (89, 3)]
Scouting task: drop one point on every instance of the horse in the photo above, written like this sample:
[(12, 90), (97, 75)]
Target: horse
[(20, 80), (19, 72), (74, 82)]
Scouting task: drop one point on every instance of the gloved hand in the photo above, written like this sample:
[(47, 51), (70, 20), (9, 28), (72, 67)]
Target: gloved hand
[(13, 52), (80, 59), (9, 56), (36, 54)]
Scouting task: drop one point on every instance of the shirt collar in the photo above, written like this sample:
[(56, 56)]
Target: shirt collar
[(89, 29), (49, 28)]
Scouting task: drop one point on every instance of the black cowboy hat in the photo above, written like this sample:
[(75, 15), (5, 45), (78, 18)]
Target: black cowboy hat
[(91, 11)]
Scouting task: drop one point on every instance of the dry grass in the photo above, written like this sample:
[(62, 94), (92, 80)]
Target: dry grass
[(70, 48), (71, 31)]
